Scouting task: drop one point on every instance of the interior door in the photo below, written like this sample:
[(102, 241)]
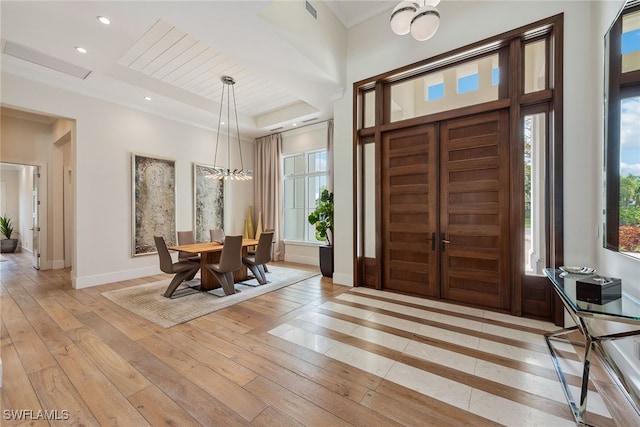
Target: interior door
[(409, 213), (474, 210), (35, 216)]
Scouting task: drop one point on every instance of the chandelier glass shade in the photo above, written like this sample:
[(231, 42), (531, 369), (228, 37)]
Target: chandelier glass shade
[(241, 174), (421, 19)]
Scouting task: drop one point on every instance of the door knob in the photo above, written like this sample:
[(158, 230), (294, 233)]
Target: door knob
[(443, 242)]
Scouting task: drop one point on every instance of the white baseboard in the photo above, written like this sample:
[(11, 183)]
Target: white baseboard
[(57, 264), (342, 279), (300, 259), (117, 276), (622, 353)]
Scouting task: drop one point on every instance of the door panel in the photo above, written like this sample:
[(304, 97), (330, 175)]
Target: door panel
[(474, 210), (409, 214)]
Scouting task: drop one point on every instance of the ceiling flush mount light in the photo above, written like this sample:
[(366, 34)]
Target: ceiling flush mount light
[(81, 49), (228, 173), (401, 17), (104, 20), (420, 18)]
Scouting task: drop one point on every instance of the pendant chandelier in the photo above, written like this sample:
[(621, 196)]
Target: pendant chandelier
[(421, 18), (228, 173)]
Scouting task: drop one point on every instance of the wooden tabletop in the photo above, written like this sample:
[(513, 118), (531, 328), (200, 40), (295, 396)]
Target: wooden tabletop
[(196, 248)]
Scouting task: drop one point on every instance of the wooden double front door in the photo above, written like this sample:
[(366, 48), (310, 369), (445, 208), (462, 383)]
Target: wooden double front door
[(445, 210)]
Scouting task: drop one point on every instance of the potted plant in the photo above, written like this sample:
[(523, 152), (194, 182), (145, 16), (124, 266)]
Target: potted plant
[(7, 245), (322, 219)]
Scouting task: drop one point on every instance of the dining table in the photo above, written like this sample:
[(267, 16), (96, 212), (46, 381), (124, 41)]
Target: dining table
[(210, 254)]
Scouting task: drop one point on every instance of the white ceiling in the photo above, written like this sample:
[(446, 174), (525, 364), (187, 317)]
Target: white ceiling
[(288, 67)]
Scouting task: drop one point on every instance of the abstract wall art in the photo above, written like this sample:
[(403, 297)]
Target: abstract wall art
[(208, 202), (153, 202)]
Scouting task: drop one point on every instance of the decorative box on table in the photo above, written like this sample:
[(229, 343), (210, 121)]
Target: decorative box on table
[(598, 289)]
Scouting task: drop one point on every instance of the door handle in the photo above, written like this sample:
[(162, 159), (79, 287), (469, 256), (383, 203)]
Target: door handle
[(443, 242)]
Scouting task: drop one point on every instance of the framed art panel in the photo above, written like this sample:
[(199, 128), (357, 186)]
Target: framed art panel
[(208, 201), (154, 202)]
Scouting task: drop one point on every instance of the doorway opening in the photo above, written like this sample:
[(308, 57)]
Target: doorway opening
[(37, 164), (20, 202)]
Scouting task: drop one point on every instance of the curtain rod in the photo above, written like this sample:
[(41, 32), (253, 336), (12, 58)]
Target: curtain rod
[(296, 128)]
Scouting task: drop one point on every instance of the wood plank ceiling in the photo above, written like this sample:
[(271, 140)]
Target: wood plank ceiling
[(174, 57)]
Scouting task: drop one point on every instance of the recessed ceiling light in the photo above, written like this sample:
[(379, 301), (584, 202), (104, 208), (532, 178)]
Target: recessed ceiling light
[(81, 49), (295, 124), (147, 98), (104, 20)]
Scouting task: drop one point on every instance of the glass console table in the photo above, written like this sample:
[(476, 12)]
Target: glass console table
[(620, 311)]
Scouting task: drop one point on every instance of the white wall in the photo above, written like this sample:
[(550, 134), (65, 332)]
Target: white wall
[(238, 196), (61, 162), (106, 135)]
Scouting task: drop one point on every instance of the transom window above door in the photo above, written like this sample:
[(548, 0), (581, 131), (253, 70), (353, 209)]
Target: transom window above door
[(454, 87)]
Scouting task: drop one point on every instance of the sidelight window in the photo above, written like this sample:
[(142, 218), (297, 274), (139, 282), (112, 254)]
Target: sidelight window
[(534, 184)]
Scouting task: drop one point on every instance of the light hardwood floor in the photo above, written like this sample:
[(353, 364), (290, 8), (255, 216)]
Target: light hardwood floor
[(313, 353)]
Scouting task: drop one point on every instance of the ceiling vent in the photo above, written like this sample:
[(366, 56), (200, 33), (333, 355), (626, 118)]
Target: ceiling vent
[(31, 55), (311, 10), (310, 120), (275, 129)]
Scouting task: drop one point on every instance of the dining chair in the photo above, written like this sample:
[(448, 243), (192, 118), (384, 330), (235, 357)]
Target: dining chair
[(230, 261), (217, 235), (270, 230), (258, 261), (181, 270)]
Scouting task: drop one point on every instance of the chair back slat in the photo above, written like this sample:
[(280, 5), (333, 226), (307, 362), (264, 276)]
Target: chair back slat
[(185, 238), (263, 252), (231, 257), (217, 235), (166, 263)]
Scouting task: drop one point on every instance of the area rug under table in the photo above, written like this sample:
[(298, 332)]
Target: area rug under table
[(147, 300)]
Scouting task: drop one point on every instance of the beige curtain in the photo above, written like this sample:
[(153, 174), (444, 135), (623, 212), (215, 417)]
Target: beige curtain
[(267, 190)]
